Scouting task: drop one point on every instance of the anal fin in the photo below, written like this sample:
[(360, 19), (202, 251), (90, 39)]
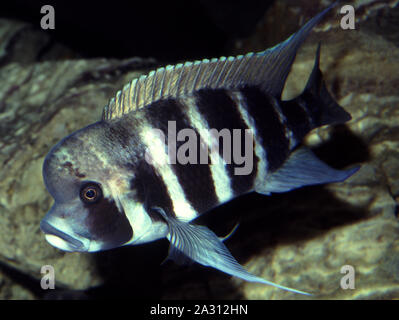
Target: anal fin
[(303, 168)]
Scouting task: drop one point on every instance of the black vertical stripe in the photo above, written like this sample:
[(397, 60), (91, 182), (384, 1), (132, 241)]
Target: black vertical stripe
[(312, 103), (270, 130), (106, 223), (195, 179), (220, 111), (151, 190), (297, 119)]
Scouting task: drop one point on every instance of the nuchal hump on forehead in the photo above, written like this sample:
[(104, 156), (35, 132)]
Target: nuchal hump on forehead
[(111, 188), (99, 150)]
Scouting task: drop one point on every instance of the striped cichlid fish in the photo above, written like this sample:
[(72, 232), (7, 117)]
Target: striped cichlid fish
[(127, 179)]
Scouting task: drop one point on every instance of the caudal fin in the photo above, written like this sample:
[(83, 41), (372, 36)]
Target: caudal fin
[(321, 106)]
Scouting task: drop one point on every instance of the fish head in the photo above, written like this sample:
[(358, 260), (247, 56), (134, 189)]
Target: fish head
[(86, 215)]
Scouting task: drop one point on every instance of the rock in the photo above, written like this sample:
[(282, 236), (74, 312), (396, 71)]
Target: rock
[(300, 239), (9, 290), (16, 37)]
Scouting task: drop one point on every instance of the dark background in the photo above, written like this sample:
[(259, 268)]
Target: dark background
[(166, 30)]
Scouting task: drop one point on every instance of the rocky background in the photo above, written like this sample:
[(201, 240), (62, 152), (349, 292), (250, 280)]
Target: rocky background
[(54, 82)]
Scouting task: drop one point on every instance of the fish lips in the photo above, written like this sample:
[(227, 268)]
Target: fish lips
[(62, 240)]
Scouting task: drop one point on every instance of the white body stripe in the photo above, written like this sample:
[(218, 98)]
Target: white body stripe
[(144, 230), (220, 176), (303, 107), (156, 148), (283, 120), (260, 152)]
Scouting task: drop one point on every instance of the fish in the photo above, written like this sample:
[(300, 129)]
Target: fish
[(127, 179)]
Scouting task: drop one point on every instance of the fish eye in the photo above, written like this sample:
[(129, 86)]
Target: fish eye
[(90, 193)]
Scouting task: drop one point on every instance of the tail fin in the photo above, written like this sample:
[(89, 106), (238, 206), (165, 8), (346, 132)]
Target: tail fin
[(322, 107)]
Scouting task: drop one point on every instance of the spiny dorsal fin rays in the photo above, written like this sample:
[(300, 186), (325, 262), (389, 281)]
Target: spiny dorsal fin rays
[(177, 80), (267, 69)]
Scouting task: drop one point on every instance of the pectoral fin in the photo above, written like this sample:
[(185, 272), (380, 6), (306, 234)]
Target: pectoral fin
[(203, 246)]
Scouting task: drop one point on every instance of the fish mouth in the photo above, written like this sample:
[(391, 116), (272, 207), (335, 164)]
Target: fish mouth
[(61, 240)]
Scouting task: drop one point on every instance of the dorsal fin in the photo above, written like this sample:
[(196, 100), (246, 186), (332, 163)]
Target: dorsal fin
[(267, 69)]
